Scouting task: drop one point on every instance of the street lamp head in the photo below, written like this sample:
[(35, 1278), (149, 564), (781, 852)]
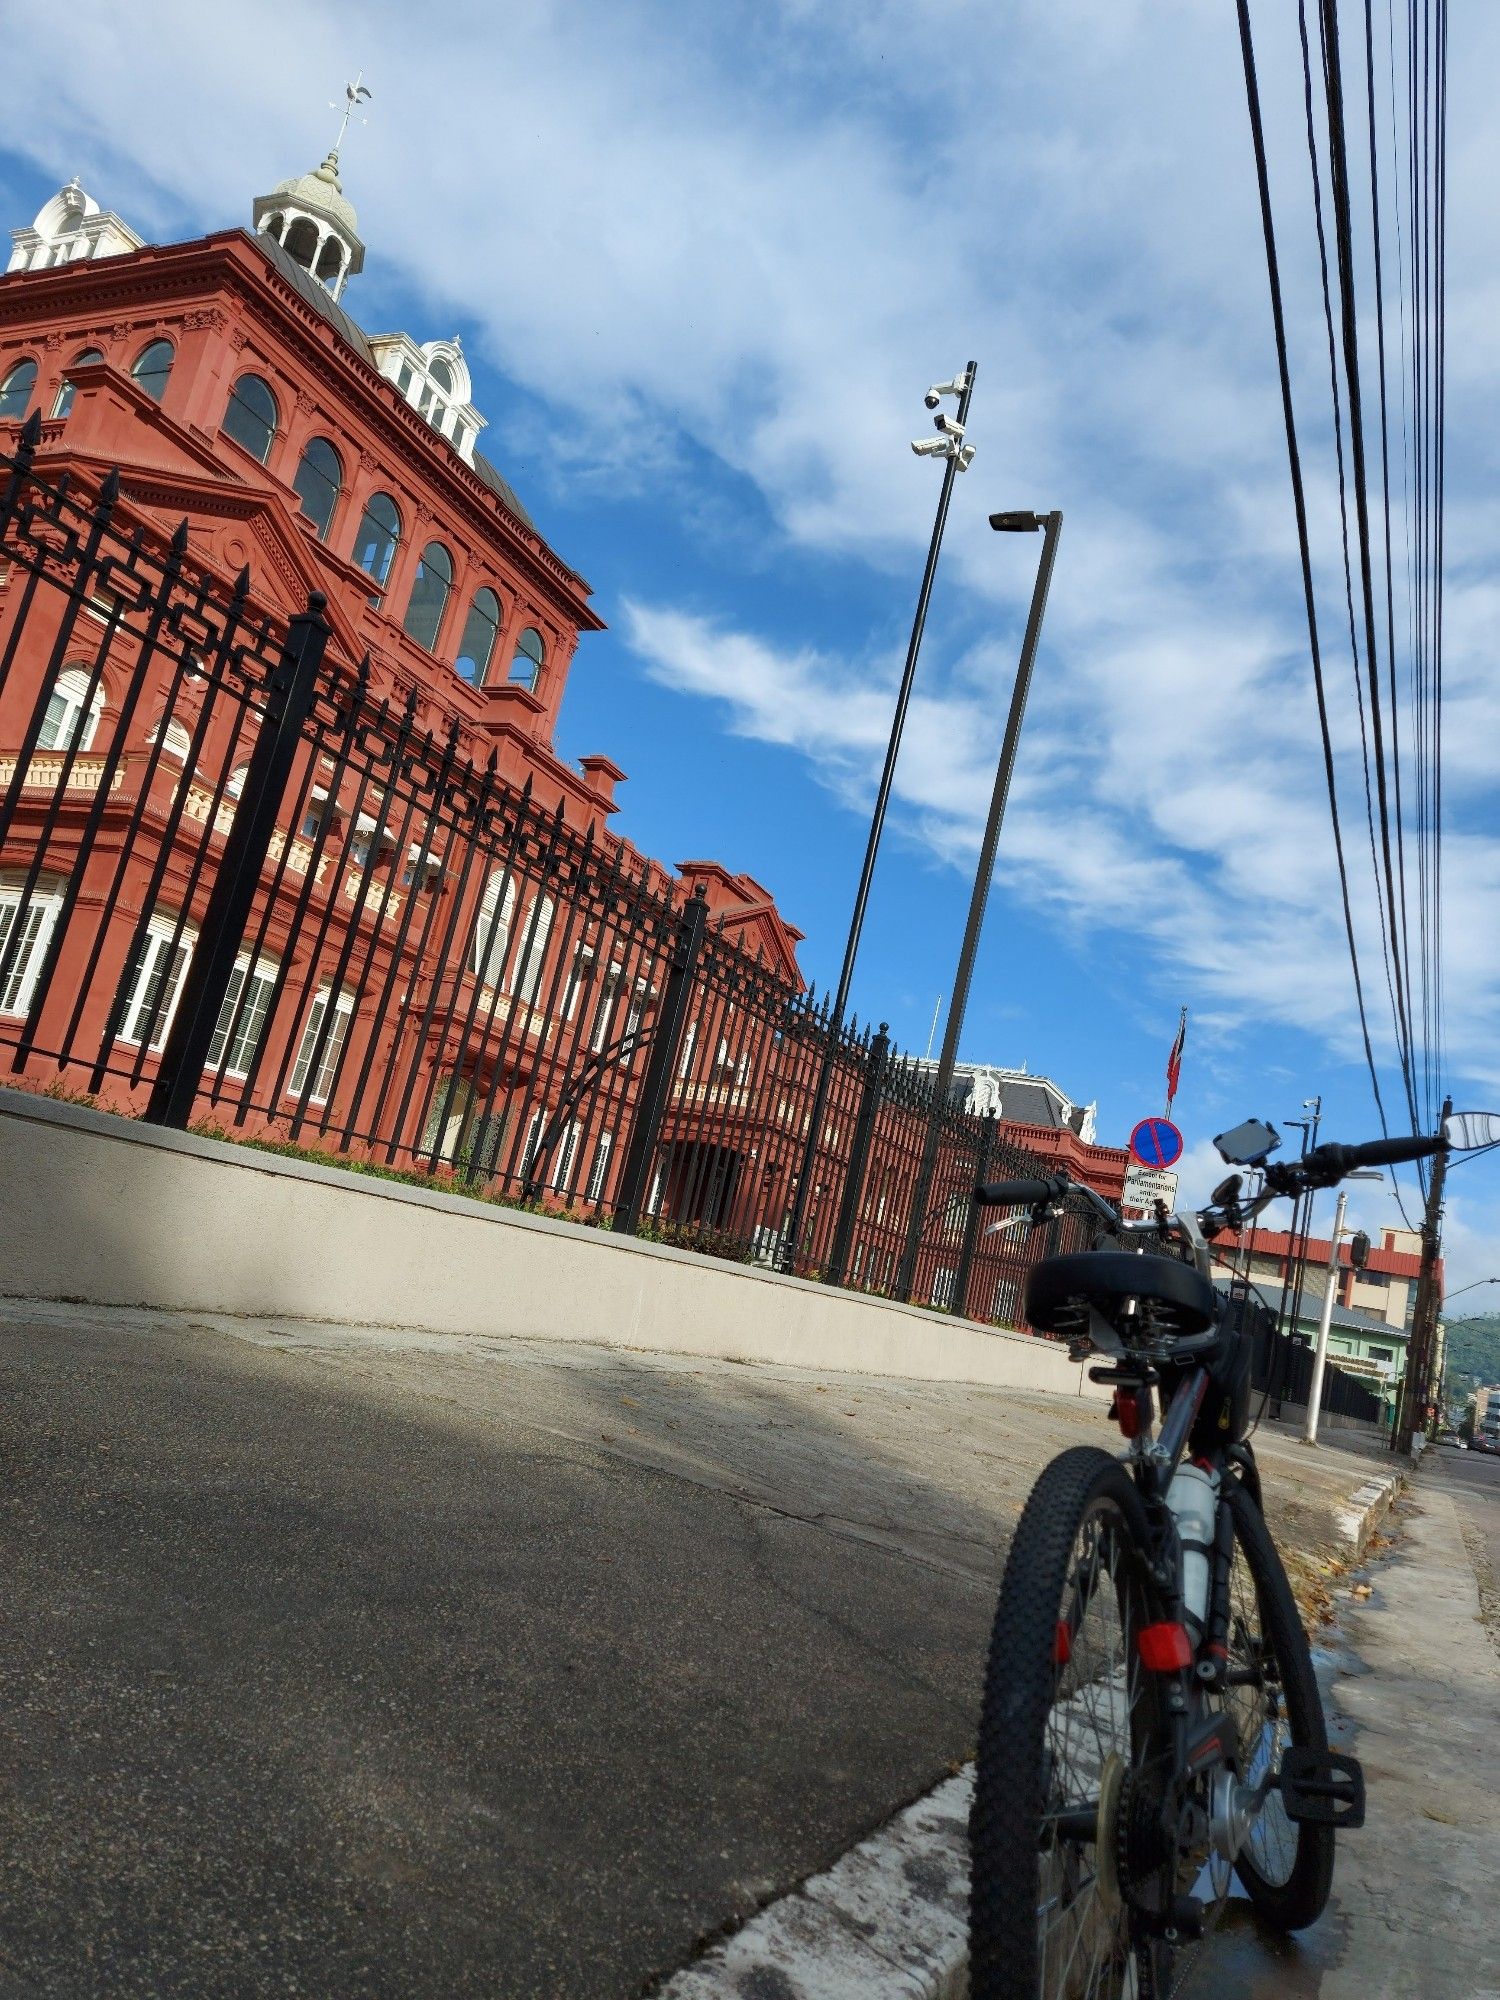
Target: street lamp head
[(1021, 523)]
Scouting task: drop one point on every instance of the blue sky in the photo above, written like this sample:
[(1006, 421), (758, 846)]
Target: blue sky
[(705, 262)]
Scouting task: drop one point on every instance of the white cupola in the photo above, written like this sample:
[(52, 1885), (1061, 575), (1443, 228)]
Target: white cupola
[(314, 222), (434, 379), (70, 229)]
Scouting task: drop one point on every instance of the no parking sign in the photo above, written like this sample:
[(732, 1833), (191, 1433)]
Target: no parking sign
[(1156, 1143)]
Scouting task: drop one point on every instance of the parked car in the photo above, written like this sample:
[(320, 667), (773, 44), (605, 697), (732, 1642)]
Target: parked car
[(1452, 1438)]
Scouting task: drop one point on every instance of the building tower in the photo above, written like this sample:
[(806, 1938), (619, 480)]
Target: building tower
[(314, 221)]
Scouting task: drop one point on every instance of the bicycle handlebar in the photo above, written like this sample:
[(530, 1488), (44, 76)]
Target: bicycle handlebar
[(1008, 1194)]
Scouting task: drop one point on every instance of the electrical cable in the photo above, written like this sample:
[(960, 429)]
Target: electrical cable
[(1299, 499)]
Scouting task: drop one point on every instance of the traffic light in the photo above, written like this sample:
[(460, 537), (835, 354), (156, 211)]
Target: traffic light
[(1359, 1249)]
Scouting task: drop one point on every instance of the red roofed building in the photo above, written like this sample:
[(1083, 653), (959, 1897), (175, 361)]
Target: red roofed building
[(1387, 1286)]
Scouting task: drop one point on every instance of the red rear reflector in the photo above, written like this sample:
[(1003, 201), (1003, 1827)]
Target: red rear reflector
[(1062, 1644), (1127, 1412), (1164, 1648)]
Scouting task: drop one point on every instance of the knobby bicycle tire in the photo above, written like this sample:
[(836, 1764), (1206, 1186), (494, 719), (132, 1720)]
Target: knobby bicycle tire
[(1021, 1681)]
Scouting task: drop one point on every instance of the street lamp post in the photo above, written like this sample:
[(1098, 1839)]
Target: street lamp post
[(1325, 1319), (1012, 523), (948, 444)]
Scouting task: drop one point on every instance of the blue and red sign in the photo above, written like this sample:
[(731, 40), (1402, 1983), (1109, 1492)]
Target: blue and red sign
[(1156, 1142)]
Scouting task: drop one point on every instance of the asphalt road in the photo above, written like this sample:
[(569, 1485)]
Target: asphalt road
[(314, 1687), (361, 1663)]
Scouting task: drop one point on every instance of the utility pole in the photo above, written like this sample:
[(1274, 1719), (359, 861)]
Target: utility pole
[(1411, 1416)]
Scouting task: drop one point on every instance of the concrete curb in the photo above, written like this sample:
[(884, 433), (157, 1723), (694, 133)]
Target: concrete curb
[(887, 1922), (1366, 1508), (890, 1920)]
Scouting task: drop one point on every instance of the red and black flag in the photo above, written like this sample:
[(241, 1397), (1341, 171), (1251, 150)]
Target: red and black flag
[(1174, 1061)]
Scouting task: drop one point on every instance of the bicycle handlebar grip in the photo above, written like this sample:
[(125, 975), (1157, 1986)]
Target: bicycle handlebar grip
[(1391, 1152), (1006, 1194)]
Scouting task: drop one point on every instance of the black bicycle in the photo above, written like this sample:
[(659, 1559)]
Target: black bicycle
[(1151, 1724)]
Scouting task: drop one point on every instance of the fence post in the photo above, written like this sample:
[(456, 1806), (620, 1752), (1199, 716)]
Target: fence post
[(666, 1041), (289, 698), (859, 1154), (971, 1227)]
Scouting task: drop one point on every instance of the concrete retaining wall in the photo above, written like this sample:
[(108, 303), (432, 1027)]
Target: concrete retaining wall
[(106, 1211)]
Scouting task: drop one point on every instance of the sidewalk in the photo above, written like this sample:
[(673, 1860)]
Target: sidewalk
[(1416, 1886), (372, 1664)]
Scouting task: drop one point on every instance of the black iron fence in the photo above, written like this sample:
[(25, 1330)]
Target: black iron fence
[(1283, 1365), (244, 884)]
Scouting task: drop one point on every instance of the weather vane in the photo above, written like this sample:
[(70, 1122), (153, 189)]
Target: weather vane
[(355, 94)]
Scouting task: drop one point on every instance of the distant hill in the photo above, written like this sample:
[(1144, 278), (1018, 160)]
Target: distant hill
[(1473, 1352)]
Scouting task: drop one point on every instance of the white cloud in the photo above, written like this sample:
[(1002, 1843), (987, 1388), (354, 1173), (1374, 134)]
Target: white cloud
[(755, 233)]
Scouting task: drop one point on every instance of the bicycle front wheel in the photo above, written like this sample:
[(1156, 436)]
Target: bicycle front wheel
[(1065, 1832)]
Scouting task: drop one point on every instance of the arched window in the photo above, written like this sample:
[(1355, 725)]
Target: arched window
[(252, 416), (478, 642), (531, 654), (152, 366), (429, 595), (379, 537), (330, 263), (441, 373), (237, 779), (301, 241), (534, 950), (66, 393), (176, 743), (492, 933), (15, 391), (319, 479), (72, 712)]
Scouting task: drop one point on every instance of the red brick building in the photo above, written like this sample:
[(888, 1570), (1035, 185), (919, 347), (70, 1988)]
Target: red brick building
[(222, 384)]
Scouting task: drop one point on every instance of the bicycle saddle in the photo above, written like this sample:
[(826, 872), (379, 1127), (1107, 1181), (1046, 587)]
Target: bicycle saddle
[(1174, 1298)]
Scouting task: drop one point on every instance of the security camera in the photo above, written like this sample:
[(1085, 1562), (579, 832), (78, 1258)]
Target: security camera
[(949, 426), (940, 389), (933, 447), (932, 399), (966, 456)]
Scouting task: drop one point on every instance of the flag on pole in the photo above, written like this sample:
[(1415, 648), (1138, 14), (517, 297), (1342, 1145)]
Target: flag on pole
[(1174, 1061)]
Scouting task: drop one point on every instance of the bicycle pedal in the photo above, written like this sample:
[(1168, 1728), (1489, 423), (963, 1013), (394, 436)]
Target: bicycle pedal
[(1322, 1788)]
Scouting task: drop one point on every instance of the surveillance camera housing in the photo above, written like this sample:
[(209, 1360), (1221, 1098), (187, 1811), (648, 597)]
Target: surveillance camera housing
[(950, 426), (930, 447), (932, 399)]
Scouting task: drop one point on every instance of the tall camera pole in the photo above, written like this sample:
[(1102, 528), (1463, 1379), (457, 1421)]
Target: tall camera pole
[(1051, 525), (948, 443)]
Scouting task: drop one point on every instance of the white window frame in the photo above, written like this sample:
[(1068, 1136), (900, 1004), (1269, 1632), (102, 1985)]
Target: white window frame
[(569, 1154), (175, 740), (609, 994), (251, 1024), (600, 1167), (689, 1049), (579, 979), (75, 727), (536, 934), (37, 925), (160, 931), (319, 1087), (492, 931)]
